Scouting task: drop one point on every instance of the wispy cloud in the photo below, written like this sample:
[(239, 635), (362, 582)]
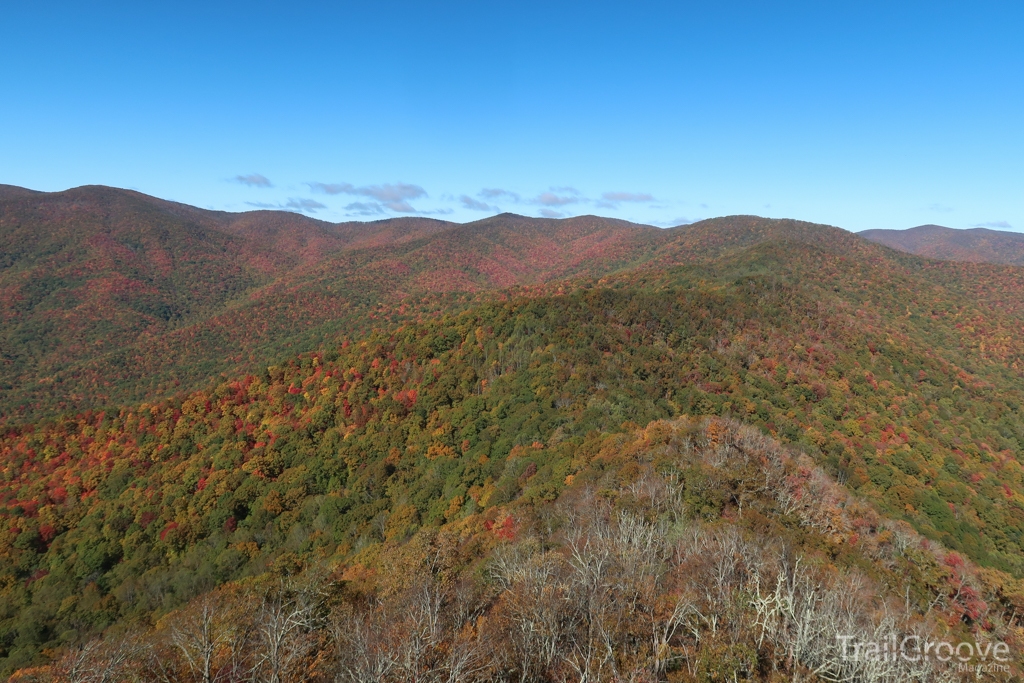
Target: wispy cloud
[(294, 204), (941, 208), (673, 222), (364, 209), (400, 206), (497, 193), (475, 204), (554, 197), (996, 224), (549, 213), (253, 180), (627, 197), (377, 209), (559, 196), (332, 188), (306, 205), (611, 200), (394, 197)]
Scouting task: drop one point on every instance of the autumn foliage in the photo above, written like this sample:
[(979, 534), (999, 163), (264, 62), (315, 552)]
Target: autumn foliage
[(447, 482)]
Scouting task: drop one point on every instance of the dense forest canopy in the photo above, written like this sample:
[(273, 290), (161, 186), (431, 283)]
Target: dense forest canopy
[(110, 296), (830, 414)]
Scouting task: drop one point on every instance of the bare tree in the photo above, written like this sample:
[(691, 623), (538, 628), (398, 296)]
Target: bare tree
[(808, 620), (283, 632), (363, 651), (99, 661), (532, 605), (209, 636)]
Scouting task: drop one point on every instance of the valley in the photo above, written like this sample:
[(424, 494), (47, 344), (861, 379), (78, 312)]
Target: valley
[(266, 411)]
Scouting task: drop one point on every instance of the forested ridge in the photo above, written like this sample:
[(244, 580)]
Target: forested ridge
[(705, 391), (693, 549), (109, 296), (980, 245)]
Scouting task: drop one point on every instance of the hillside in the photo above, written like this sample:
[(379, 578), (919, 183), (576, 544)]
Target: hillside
[(900, 377), (691, 550), (978, 245), (13, 191), (110, 296), (88, 273)]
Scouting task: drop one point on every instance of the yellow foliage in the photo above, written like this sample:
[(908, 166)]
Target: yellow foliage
[(440, 450), (454, 507), (401, 521), (248, 548)]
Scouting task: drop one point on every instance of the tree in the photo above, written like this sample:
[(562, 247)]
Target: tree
[(283, 631), (210, 636)]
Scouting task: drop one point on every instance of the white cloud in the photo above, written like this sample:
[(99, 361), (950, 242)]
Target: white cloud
[(332, 188), (568, 196), (674, 222), (305, 205), (253, 180), (294, 204), (400, 206), (627, 197), (497, 193), (364, 209), (394, 197), (475, 204)]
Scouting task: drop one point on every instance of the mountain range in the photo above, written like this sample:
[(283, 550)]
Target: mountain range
[(452, 441), (979, 245), (110, 295)]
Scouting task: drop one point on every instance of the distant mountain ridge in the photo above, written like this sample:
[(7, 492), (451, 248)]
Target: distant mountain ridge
[(245, 395), (111, 295), (977, 245)]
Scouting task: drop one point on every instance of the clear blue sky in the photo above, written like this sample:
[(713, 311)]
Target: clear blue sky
[(858, 114)]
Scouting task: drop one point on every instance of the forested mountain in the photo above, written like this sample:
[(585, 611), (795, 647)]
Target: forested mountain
[(557, 449), (110, 296), (979, 245)]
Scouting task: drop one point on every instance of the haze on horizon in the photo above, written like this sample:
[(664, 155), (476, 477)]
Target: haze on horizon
[(860, 115)]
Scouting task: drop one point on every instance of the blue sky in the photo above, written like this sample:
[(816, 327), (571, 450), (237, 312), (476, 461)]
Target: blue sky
[(857, 114)]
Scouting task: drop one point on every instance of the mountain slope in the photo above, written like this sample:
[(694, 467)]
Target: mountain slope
[(690, 550), (979, 245), (88, 271), (109, 296), (854, 354), (13, 191), (480, 383)]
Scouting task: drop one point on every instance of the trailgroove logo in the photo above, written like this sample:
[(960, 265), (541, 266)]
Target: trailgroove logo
[(966, 654)]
